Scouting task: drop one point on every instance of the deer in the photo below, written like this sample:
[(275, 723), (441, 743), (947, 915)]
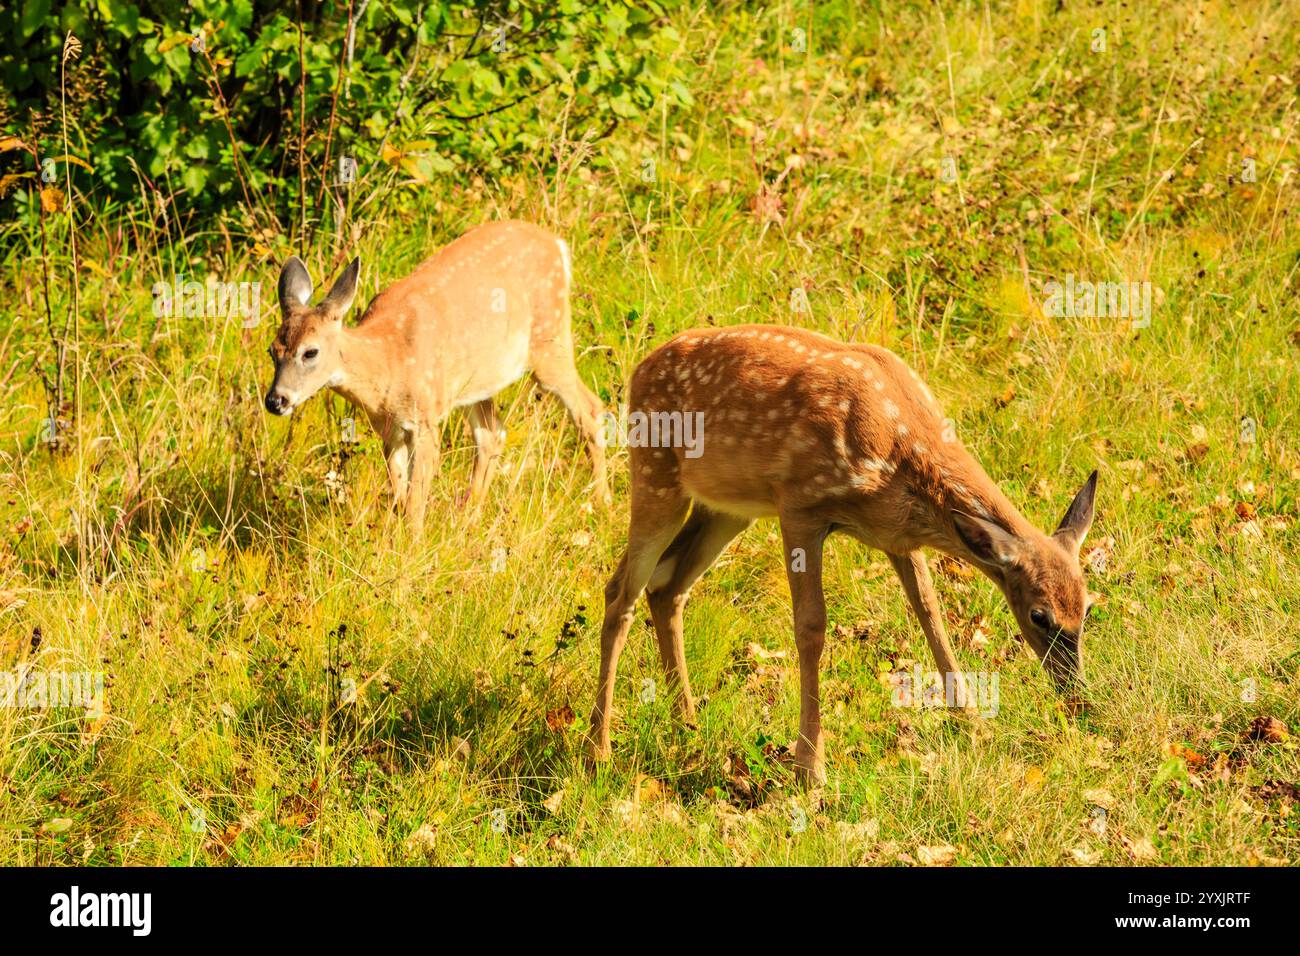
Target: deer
[(826, 437), (470, 320)]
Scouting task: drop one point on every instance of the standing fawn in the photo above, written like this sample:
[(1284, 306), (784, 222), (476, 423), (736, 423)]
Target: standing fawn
[(470, 320), (826, 437)]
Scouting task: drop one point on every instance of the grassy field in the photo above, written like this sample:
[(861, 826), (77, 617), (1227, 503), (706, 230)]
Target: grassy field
[(920, 175)]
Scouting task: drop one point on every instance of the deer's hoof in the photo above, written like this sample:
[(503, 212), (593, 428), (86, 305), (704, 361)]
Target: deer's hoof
[(596, 753), (809, 768)]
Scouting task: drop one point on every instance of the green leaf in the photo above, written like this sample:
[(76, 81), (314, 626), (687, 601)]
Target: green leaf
[(195, 178), (35, 15)]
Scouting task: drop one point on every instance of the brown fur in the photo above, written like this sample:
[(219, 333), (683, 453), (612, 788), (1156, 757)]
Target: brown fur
[(470, 320), (826, 436)]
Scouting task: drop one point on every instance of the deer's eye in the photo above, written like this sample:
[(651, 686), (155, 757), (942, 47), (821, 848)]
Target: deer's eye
[(310, 354), (1040, 618)]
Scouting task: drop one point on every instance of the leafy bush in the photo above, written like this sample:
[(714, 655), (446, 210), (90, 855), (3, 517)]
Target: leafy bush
[(200, 103)]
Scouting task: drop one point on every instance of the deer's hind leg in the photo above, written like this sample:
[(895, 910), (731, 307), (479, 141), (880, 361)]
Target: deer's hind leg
[(657, 516), (555, 372), (551, 355), (705, 536)]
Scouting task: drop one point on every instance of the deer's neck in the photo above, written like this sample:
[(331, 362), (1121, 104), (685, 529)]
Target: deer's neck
[(958, 482), (365, 375)]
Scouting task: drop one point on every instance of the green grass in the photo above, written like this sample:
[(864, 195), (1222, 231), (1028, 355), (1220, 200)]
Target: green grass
[(229, 571)]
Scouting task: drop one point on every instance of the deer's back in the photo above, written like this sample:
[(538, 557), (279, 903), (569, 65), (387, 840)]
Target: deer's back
[(785, 411), (470, 316)]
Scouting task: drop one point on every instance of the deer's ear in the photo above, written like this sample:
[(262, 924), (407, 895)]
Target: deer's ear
[(295, 285), (1078, 517), (989, 542), (344, 290)]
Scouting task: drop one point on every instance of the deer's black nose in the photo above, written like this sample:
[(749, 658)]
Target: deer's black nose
[(276, 403)]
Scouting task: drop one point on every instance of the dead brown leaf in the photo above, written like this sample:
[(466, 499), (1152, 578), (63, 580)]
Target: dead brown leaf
[(1270, 730), (559, 720)]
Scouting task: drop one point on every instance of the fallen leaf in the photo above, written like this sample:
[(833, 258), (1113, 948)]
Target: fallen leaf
[(942, 855), (1268, 729), (1099, 798), (1084, 856), (1140, 849), (424, 838), (857, 832), (559, 719), (1192, 758), (757, 652), (625, 812), (564, 849), (649, 790), (51, 199)]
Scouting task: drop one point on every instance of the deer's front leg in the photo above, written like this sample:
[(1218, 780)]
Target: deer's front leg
[(914, 573), (426, 457), (803, 539)]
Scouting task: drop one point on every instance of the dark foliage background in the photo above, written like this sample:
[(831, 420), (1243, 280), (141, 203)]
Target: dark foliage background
[(200, 103)]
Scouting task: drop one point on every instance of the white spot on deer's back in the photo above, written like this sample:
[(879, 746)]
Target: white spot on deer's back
[(878, 464), (891, 409)]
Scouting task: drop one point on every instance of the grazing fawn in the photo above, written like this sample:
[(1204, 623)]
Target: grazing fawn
[(470, 320), (826, 437)]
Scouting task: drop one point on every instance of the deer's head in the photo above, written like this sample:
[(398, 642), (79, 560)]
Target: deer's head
[(306, 347), (1042, 581)]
